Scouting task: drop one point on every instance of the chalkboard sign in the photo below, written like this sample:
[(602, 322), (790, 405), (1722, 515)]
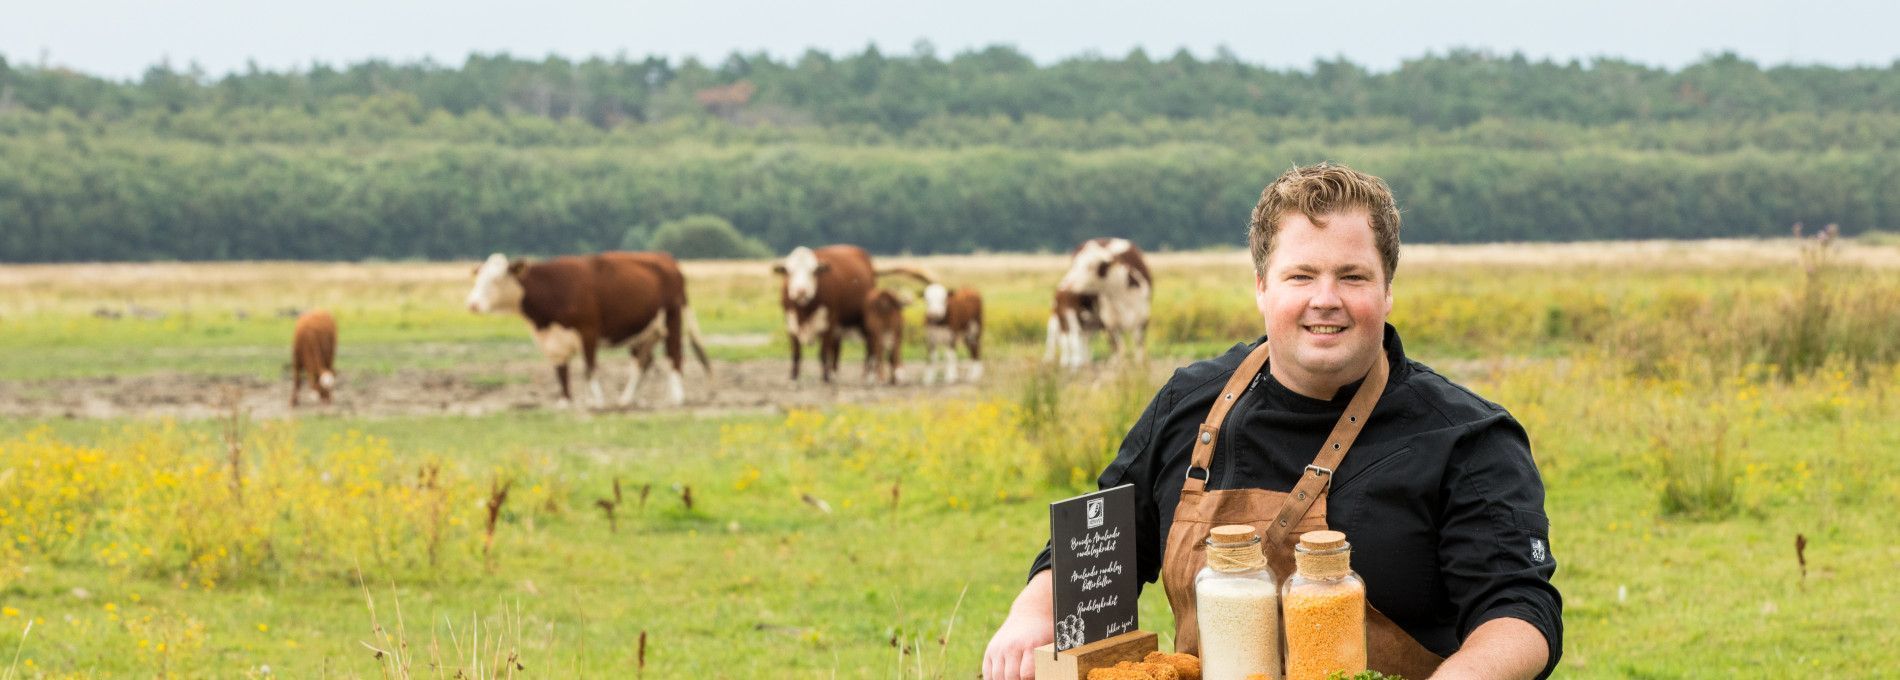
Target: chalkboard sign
[(1092, 545)]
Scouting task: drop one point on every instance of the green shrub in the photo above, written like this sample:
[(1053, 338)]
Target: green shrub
[(705, 237)]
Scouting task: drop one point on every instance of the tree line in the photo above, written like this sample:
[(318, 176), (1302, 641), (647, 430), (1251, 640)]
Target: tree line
[(86, 199), (981, 151)]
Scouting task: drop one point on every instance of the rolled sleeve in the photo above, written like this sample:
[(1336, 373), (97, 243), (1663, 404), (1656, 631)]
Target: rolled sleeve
[(1494, 543)]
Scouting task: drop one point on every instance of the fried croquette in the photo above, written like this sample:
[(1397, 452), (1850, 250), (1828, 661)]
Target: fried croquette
[(1118, 674), (1158, 671), (1135, 670), (1186, 666)]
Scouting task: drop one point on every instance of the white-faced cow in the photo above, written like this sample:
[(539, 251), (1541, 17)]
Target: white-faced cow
[(952, 317), (823, 297), (313, 353), (574, 304), (884, 331), (1108, 280)]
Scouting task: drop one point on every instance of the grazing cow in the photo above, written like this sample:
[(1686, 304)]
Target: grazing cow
[(884, 331), (951, 317), (575, 303), (1111, 282), (823, 297), (313, 353)]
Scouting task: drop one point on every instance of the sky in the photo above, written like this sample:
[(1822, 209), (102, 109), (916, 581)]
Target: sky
[(121, 38)]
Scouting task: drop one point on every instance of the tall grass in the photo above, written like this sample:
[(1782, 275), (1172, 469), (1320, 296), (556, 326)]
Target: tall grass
[(160, 503)]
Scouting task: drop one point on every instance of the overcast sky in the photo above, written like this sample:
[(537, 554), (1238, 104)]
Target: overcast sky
[(120, 38)]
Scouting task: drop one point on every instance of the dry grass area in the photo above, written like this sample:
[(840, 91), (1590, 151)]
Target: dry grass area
[(28, 284)]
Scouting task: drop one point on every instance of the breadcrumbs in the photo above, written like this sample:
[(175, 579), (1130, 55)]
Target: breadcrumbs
[(1325, 630)]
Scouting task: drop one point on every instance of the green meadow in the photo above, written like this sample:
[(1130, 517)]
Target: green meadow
[(1695, 409)]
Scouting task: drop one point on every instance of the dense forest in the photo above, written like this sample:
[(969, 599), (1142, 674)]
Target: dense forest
[(985, 150)]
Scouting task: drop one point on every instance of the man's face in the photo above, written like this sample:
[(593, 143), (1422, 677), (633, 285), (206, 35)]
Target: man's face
[(1325, 299)]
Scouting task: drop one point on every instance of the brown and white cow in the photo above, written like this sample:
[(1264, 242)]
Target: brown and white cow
[(313, 353), (574, 304), (823, 297), (1108, 279), (950, 317), (884, 331)]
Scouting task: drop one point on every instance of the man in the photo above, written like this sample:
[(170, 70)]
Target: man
[(1439, 495)]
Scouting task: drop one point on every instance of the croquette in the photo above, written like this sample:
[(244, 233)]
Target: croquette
[(1158, 671), (1136, 670), (1186, 666), (1118, 674)]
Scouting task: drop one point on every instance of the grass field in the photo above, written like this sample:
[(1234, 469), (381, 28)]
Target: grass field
[(1693, 408)]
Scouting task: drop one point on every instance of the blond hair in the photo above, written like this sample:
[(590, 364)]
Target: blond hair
[(1319, 190)]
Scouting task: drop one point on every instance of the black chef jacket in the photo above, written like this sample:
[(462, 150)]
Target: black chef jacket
[(1439, 495)]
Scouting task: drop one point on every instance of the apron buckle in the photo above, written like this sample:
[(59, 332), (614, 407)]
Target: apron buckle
[(1322, 472)]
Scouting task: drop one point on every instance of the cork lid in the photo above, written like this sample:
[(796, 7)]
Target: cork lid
[(1322, 540), (1231, 533)]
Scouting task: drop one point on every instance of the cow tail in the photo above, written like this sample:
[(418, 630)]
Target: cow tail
[(691, 329)]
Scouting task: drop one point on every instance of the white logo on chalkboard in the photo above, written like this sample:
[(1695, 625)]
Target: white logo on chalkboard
[(1537, 550), (1096, 513)]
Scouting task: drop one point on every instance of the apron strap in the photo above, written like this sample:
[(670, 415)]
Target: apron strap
[(1210, 428), (1318, 476)]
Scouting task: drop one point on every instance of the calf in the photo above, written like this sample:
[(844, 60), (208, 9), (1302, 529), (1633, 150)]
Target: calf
[(1108, 279), (951, 317), (574, 304), (823, 296), (313, 353), (884, 331), (1072, 321)]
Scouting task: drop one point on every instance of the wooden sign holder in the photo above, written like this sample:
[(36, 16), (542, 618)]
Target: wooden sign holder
[(1075, 664)]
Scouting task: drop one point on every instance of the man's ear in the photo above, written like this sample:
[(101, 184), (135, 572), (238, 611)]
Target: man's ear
[(778, 269)]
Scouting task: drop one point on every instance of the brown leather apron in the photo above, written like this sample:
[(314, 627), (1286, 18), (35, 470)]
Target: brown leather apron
[(1281, 516)]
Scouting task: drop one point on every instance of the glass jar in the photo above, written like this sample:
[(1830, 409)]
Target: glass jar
[(1325, 606), (1237, 606)]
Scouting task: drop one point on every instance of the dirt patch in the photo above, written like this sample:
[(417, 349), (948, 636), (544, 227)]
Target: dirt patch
[(762, 385)]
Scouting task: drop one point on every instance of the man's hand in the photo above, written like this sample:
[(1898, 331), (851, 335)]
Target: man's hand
[(1031, 624)]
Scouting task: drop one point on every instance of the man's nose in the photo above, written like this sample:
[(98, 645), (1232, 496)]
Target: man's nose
[(1326, 295)]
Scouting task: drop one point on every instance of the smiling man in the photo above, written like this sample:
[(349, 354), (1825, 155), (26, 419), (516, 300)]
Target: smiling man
[(1325, 423)]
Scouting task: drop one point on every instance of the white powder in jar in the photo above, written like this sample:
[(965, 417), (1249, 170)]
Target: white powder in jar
[(1240, 628)]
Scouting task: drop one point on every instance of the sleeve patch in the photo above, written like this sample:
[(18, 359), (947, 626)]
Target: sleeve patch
[(1536, 531)]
